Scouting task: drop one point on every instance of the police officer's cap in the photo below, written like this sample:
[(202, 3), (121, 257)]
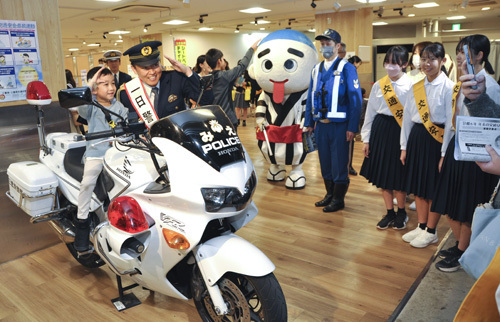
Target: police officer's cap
[(112, 55), (329, 34), (145, 54)]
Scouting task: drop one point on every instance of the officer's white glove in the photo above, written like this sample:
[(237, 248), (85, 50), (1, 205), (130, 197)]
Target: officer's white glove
[(261, 123)]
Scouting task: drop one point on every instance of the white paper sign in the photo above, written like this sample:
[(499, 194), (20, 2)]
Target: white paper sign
[(472, 135)]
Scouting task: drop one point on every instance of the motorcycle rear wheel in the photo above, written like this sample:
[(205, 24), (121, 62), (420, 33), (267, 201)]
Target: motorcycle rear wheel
[(248, 298)]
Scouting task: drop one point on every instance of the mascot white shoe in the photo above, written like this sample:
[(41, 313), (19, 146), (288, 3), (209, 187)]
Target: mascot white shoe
[(282, 65), (276, 173), (296, 179)]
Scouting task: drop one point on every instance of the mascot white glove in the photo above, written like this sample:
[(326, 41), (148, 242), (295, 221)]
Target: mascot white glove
[(261, 122)]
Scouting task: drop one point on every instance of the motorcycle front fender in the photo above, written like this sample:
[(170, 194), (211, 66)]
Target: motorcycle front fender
[(231, 253)]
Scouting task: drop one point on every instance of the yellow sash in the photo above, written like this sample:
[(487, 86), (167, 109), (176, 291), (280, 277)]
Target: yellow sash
[(456, 90), (391, 99), (423, 109)]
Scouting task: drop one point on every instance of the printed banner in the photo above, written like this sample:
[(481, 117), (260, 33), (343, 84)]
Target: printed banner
[(19, 58), (180, 51)]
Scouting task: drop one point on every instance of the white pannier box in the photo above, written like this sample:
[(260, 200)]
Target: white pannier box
[(32, 186)]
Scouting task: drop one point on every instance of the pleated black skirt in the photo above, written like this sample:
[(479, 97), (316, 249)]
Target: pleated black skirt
[(423, 153), (384, 168), (461, 187)]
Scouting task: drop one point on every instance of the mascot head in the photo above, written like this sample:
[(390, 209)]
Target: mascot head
[(283, 62)]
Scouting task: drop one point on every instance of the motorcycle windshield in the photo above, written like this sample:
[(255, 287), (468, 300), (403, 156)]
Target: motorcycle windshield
[(205, 131)]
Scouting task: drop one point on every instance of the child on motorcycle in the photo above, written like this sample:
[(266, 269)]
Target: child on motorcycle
[(102, 83)]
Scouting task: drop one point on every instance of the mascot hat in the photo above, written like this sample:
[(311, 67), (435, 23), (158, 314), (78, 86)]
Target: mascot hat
[(289, 34)]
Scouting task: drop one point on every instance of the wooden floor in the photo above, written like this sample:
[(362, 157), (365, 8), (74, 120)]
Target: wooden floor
[(332, 267)]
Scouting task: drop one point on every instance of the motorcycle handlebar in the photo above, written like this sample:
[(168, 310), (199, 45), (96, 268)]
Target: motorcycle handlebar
[(132, 128)]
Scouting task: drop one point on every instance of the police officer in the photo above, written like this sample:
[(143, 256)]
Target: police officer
[(113, 61), (168, 90), (333, 109)]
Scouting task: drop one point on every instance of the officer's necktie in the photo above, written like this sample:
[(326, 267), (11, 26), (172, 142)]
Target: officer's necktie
[(116, 81), (155, 97)]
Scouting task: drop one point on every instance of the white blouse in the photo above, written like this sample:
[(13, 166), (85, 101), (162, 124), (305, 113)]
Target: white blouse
[(439, 94), (378, 105)]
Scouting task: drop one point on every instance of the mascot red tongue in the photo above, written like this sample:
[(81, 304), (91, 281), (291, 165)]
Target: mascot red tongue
[(278, 91)]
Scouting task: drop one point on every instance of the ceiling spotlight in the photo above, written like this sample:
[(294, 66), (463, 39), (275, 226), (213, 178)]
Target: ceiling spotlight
[(84, 42), (380, 12), (257, 19), (105, 35), (290, 21), (201, 18), (146, 27), (238, 28), (313, 5), (400, 10), (337, 5)]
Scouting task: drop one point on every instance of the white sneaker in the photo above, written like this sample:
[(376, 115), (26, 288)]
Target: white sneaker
[(395, 201), (424, 239), (412, 206), (411, 235)]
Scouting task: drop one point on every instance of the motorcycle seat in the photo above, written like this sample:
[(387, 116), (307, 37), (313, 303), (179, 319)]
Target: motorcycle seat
[(74, 167)]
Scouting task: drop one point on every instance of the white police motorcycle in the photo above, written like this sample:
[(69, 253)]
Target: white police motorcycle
[(164, 211)]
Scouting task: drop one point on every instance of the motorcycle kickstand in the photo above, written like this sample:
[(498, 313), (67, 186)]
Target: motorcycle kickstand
[(125, 301)]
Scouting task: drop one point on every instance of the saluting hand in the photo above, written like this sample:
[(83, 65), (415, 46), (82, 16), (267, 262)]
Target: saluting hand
[(178, 66)]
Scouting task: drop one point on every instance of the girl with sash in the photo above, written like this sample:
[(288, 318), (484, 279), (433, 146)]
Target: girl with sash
[(462, 185), (381, 132), (428, 113)]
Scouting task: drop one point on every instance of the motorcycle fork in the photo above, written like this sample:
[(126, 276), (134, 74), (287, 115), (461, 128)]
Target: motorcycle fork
[(220, 306)]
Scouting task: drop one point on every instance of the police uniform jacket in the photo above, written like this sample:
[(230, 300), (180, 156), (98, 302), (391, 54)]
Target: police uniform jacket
[(175, 89), (349, 95), (123, 78)]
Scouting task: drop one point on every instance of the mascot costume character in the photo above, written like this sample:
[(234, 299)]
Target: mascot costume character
[(282, 65)]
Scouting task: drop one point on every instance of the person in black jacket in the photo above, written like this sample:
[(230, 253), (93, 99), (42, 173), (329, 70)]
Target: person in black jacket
[(173, 87), (113, 61)]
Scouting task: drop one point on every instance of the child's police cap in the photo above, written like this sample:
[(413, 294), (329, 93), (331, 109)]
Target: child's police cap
[(145, 54), (329, 34), (112, 55)]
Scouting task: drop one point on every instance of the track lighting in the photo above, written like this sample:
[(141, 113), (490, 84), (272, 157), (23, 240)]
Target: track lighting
[(146, 27), (290, 21), (379, 12), (105, 35), (201, 18), (237, 30), (313, 5), (400, 10)]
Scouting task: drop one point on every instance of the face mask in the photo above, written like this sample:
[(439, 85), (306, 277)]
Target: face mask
[(327, 52), (416, 61), (392, 70)]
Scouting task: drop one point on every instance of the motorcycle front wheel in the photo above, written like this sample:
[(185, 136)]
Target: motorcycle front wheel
[(248, 298)]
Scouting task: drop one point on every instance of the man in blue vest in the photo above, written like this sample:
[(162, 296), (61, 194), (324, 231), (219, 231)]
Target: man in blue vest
[(333, 109)]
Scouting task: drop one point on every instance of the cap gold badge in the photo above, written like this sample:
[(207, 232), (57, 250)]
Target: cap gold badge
[(172, 98), (146, 51)]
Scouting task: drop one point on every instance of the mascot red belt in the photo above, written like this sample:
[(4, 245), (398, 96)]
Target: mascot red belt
[(282, 67)]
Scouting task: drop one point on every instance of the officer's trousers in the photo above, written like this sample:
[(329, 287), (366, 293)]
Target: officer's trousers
[(333, 151)]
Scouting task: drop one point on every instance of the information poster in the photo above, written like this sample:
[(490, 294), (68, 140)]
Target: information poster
[(180, 51), (19, 58)]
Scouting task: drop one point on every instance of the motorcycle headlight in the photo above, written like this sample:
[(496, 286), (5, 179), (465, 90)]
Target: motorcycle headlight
[(218, 198)]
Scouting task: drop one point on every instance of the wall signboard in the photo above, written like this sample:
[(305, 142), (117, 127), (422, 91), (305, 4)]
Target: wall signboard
[(19, 58)]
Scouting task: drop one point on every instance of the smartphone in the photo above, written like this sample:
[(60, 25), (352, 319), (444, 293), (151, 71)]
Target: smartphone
[(470, 66)]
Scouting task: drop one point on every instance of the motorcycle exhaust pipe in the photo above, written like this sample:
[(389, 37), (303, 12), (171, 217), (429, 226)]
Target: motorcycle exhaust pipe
[(64, 231)]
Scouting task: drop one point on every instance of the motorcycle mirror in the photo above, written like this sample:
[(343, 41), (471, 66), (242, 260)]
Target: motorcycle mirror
[(206, 83), (73, 97), (37, 93)]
